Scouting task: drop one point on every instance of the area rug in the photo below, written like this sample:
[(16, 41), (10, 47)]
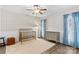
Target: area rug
[(29, 47)]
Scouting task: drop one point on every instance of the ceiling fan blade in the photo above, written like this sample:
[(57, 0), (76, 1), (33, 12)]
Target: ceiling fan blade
[(29, 9), (40, 12), (43, 9)]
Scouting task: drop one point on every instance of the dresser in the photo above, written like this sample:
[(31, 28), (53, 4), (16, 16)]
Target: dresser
[(52, 36)]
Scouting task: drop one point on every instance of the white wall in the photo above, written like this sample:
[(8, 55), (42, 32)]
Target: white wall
[(11, 22), (55, 21)]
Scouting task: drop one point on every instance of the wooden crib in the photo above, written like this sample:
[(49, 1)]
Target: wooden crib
[(26, 34)]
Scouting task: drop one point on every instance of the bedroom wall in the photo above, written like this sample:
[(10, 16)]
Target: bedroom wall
[(0, 20), (55, 21), (11, 22)]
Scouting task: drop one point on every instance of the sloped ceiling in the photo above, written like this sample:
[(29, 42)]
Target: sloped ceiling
[(51, 9)]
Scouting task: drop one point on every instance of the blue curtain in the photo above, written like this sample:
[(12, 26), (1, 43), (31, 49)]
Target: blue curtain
[(42, 28), (65, 39), (71, 29), (76, 21)]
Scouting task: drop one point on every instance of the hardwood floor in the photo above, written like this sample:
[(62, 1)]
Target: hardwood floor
[(2, 50), (63, 49), (58, 49)]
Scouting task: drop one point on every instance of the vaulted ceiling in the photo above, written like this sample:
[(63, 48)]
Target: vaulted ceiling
[(51, 9)]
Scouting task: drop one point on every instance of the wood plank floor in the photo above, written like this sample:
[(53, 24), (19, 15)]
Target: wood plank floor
[(58, 49), (2, 50), (63, 49)]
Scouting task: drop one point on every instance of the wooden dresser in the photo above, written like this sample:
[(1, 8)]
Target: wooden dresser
[(52, 36), (10, 40)]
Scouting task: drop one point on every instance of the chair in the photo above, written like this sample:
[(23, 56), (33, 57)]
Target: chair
[(2, 44)]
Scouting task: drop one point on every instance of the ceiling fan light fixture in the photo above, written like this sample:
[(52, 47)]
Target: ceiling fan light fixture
[(38, 10)]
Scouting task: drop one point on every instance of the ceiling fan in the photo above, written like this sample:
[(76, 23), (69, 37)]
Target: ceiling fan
[(37, 9)]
